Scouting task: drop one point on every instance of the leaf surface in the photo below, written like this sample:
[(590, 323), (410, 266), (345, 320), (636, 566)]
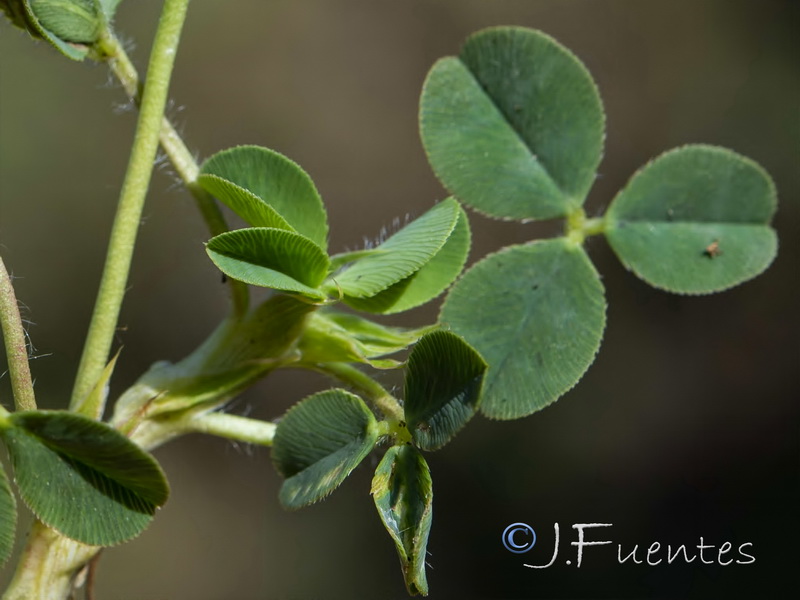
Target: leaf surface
[(514, 125), (403, 494), (8, 518), (244, 203), (70, 20), (274, 180), (83, 478), (695, 220), (319, 442), (443, 388), (273, 258), (402, 254), (536, 314), (433, 278)]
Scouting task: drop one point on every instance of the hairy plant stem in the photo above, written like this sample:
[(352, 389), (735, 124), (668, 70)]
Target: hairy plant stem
[(131, 201), (111, 50), (50, 564), (16, 348)]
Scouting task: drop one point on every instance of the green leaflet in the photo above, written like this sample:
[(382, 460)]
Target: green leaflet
[(442, 389), (8, 517), (536, 314), (433, 278), (274, 180), (695, 220), (344, 258), (403, 254), (17, 11), (82, 477), (514, 125), (75, 19), (403, 494), (244, 203), (78, 21), (273, 258), (319, 442)]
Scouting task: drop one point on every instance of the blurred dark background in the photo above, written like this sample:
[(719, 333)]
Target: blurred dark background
[(685, 426)]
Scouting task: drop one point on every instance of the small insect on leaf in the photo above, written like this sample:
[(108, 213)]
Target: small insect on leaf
[(712, 250)]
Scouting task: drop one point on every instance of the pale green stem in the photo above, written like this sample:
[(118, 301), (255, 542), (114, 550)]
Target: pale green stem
[(179, 155), (594, 226), (50, 566), (361, 382), (16, 347), (233, 427), (578, 227), (131, 202)]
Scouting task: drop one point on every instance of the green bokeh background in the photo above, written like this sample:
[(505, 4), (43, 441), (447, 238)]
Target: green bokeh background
[(686, 425)]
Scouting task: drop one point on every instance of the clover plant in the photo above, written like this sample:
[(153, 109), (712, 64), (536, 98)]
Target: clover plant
[(513, 127)]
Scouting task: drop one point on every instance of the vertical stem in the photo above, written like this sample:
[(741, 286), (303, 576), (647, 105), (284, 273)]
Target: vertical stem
[(16, 348), (131, 202), (179, 155)]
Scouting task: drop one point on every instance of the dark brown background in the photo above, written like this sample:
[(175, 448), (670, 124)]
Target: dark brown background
[(686, 425)]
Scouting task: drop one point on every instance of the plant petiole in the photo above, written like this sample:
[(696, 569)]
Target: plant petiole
[(579, 227), (363, 383)]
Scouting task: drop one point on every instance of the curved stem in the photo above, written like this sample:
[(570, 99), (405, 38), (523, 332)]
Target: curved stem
[(357, 379), (233, 427), (16, 348), (131, 201), (179, 155)]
